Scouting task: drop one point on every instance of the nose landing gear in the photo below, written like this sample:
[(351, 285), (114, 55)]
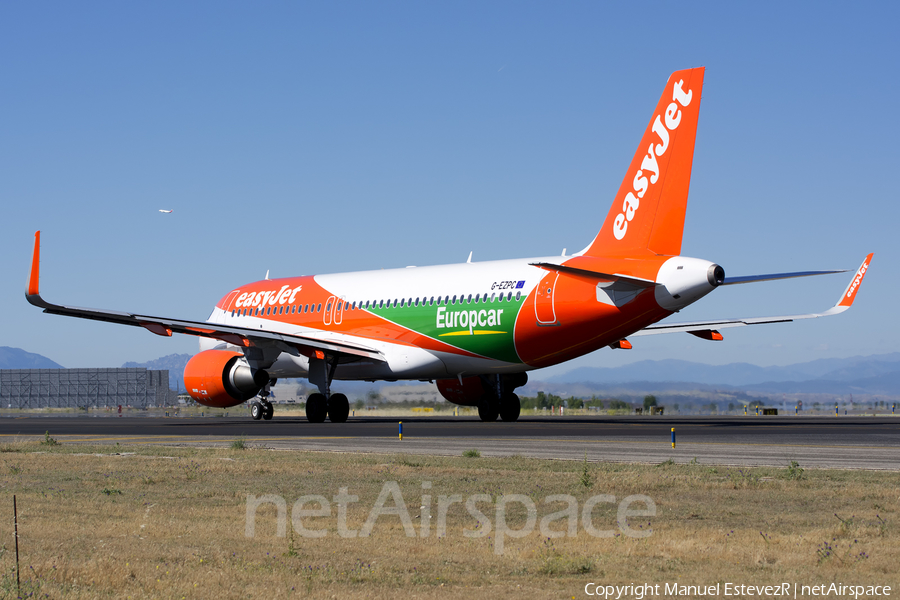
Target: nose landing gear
[(261, 408)]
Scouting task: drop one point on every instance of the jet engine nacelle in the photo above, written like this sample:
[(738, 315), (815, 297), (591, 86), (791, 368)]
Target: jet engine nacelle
[(471, 389), (220, 378), (466, 393)]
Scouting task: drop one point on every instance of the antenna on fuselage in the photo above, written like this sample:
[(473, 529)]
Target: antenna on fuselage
[(468, 260), (267, 274)]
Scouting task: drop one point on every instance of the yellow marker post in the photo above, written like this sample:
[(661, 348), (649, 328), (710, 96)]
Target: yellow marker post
[(673, 437), (401, 431)]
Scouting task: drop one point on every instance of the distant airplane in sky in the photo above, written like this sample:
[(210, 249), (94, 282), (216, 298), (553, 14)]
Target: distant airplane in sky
[(475, 328), (165, 211)]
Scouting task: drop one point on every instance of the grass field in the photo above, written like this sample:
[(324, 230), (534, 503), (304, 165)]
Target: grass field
[(158, 522)]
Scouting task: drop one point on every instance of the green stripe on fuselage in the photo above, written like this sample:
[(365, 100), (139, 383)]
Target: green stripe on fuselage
[(484, 328)]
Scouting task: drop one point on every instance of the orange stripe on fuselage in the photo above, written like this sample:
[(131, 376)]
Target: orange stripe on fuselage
[(356, 322)]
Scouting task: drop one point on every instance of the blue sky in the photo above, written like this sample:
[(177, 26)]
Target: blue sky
[(309, 138)]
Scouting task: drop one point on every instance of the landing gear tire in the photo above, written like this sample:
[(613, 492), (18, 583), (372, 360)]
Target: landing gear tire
[(268, 411), (510, 407), (256, 410), (316, 408), (487, 409), (338, 408)]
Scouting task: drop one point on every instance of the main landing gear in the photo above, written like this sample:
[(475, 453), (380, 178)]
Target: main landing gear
[(336, 408), (507, 407), (324, 404), (498, 399)]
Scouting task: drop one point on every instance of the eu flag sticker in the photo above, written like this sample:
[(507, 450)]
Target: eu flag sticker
[(520, 285)]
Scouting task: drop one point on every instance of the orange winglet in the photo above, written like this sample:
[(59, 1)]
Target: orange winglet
[(708, 334), (850, 293), (34, 277), (621, 345), (157, 328)]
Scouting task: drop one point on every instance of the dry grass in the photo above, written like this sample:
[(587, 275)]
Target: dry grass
[(169, 523)]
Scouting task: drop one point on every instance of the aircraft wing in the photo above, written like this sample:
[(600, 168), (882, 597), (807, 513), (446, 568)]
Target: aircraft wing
[(239, 336), (707, 329)]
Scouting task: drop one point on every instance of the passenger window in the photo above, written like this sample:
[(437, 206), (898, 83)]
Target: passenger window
[(454, 299), (493, 295), (518, 295), (319, 307), (232, 313), (508, 296), (477, 298), (446, 299), (402, 300), (417, 301), (431, 302), (469, 301)]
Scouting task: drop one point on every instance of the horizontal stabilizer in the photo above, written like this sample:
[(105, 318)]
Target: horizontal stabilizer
[(700, 327), (596, 275), (776, 276)]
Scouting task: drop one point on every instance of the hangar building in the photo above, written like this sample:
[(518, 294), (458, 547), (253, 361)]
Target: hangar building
[(81, 388)]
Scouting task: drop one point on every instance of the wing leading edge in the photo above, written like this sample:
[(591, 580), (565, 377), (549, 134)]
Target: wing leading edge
[(706, 329), (239, 336)]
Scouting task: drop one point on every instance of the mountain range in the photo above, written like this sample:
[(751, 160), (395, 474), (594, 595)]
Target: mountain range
[(876, 374), (16, 358)]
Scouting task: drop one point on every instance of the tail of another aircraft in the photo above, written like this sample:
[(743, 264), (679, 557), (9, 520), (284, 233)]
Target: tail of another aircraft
[(647, 215)]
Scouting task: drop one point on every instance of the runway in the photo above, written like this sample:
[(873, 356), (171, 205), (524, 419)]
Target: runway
[(814, 442)]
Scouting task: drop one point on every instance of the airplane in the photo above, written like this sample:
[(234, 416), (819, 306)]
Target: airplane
[(164, 211), (475, 328)]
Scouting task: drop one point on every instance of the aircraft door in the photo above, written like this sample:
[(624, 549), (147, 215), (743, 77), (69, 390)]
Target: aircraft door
[(339, 310), (544, 309), (329, 308)]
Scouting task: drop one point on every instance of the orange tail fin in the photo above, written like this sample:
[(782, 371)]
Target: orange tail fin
[(648, 212)]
